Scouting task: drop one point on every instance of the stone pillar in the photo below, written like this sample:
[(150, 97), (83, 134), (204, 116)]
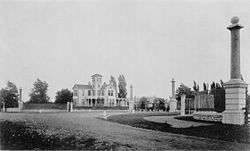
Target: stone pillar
[(183, 105), (173, 101), (4, 108), (20, 102), (235, 88), (71, 106), (131, 100)]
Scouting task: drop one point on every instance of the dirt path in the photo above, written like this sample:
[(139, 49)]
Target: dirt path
[(86, 123), (174, 122)]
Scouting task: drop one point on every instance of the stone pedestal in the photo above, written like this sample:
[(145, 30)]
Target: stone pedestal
[(172, 105), (4, 109), (20, 105), (131, 105), (71, 106), (183, 98), (235, 102), (236, 87)]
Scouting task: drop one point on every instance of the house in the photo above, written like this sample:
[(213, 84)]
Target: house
[(97, 93)]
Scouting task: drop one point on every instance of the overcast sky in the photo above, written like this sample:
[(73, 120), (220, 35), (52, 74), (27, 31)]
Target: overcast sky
[(148, 41)]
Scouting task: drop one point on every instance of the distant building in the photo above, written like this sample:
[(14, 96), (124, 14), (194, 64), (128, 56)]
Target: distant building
[(97, 94)]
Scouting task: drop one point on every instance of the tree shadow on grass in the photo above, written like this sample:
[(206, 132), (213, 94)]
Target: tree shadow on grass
[(233, 133)]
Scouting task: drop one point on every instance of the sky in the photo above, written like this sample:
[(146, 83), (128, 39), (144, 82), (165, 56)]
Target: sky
[(149, 42)]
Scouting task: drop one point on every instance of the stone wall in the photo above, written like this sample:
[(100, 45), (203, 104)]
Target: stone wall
[(208, 116)]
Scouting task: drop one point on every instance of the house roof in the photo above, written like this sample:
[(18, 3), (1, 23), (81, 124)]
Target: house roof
[(96, 75), (82, 86)]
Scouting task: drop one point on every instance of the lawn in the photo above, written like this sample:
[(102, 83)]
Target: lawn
[(216, 130), (46, 106), (100, 108), (86, 131), (19, 135)]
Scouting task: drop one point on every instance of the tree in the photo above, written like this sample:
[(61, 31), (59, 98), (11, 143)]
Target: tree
[(122, 87), (39, 92), (204, 86), (9, 95), (218, 91), (113, 82), (196, 87), (64, 96), (217, 86), (142, 103), (159, 104), (221, 83), (212, 86), (183, 89)]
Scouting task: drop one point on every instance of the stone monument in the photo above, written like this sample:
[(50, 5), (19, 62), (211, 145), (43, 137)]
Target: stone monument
[(20, 102), (131, 100), (71, 106), (4, 108), (183, 98), (235, 88), (68, 106), (173, 101)]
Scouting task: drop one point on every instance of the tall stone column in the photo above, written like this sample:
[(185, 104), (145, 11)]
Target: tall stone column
[(20, 102), (235, 88), (183, 98), (173, 101), (131, 100)]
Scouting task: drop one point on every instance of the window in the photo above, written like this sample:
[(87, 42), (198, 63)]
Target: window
[(98, 92), (89, 92), (75, 93), (111, 92), (82, 92), (108, 92), (102, 92), (93, 92)]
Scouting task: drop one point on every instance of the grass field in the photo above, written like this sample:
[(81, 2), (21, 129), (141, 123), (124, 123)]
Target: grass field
[(215, 130), (48, 106), (17, 135), (28, 131), (85, 130)]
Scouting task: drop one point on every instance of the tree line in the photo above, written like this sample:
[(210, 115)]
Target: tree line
[(39, 93)]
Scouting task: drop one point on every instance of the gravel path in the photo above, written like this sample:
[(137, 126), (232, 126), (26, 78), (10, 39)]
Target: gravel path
[(86, 123), (174, 122)]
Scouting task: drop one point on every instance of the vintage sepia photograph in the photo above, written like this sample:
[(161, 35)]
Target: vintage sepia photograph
[(124, 75)]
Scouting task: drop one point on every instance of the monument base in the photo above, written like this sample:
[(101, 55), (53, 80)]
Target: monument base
[(172, 105), (235, 102), (233, 117)]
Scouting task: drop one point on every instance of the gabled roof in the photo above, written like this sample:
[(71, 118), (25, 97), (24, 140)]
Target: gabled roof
[(104, 86), (96, 75), (82, 86)]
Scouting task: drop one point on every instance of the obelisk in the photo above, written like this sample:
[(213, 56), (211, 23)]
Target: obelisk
[(131, 100), (235, 88), (173, 101), (20, 101)]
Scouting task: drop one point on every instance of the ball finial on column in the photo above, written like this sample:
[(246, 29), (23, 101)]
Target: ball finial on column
[(235, 20)]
